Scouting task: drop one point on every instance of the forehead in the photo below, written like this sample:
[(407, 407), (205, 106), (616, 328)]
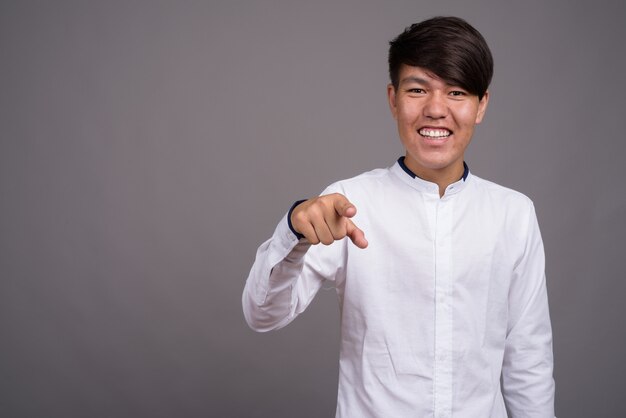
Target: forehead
[(409, 74)]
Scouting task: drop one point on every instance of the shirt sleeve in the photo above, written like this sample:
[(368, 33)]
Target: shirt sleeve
[(527, 379), (285, 277)]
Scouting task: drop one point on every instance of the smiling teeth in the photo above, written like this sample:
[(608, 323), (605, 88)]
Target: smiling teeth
[(435, 133)]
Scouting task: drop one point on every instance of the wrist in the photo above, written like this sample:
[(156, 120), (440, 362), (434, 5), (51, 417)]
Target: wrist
[(296, 233)]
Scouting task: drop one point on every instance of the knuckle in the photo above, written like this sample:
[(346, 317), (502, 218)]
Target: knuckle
[(313, 240), (339, 197), (315, 212), (318, 204), (325, 203), (339, 235), (339, 230), (299, 218)]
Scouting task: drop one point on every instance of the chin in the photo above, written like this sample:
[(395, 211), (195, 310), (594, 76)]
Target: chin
[(435, 163)]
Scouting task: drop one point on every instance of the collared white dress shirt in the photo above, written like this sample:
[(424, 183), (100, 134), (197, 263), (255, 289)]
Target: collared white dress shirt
[(448, 298)]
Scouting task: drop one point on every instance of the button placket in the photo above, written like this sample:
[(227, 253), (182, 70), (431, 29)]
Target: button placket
[(443, 311)]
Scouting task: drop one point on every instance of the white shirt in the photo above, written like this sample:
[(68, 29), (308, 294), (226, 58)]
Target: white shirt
[(449, 296)]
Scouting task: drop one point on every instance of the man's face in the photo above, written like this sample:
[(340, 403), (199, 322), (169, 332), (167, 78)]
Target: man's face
[(435, 122)]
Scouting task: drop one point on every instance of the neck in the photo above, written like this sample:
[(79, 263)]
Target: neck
[(442, 177)]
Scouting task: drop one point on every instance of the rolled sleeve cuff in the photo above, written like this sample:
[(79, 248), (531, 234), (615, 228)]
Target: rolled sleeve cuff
[(297, 234)]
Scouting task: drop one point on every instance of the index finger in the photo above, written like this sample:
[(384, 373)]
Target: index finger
[(356, 235)]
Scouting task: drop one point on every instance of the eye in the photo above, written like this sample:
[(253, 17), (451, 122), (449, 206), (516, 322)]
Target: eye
[(416, 90), (458, 93)]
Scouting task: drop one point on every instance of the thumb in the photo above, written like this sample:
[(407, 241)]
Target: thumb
[(343, 207), (356, 235)]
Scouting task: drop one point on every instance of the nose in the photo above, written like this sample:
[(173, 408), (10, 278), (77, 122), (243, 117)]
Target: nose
[(436, 106)]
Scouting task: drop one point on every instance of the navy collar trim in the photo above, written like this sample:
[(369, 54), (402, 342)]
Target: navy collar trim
[(412, 174)]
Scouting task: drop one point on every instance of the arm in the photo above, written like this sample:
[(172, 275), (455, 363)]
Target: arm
[(287, 272), (273, 295), (528, 385)]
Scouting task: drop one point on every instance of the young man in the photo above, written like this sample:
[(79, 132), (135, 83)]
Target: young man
[(444, 311)]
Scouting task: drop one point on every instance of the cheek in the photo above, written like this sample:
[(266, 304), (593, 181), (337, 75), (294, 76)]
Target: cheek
[(405, 115), (468, 116)]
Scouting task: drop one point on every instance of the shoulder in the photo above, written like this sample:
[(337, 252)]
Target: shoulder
[(364, 182), (497, 194), (514, 211)]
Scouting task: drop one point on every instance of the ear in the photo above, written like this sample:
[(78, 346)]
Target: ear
[(482, 107), (391, 98)]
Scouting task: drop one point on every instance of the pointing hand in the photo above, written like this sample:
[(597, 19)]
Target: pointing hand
[(326, 219)]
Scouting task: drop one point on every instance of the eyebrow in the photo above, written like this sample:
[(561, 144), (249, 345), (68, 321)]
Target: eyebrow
[(414, 79)]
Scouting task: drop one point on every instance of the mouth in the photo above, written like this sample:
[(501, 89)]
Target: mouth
[(435, 133)]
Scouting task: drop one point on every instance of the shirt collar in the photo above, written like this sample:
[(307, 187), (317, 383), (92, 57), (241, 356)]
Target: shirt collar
[(415, 181)]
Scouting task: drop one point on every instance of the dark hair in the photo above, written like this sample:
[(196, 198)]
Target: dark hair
[(449, 48)]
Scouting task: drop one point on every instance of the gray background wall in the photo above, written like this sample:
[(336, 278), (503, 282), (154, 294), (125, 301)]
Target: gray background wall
[(148, 147)]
